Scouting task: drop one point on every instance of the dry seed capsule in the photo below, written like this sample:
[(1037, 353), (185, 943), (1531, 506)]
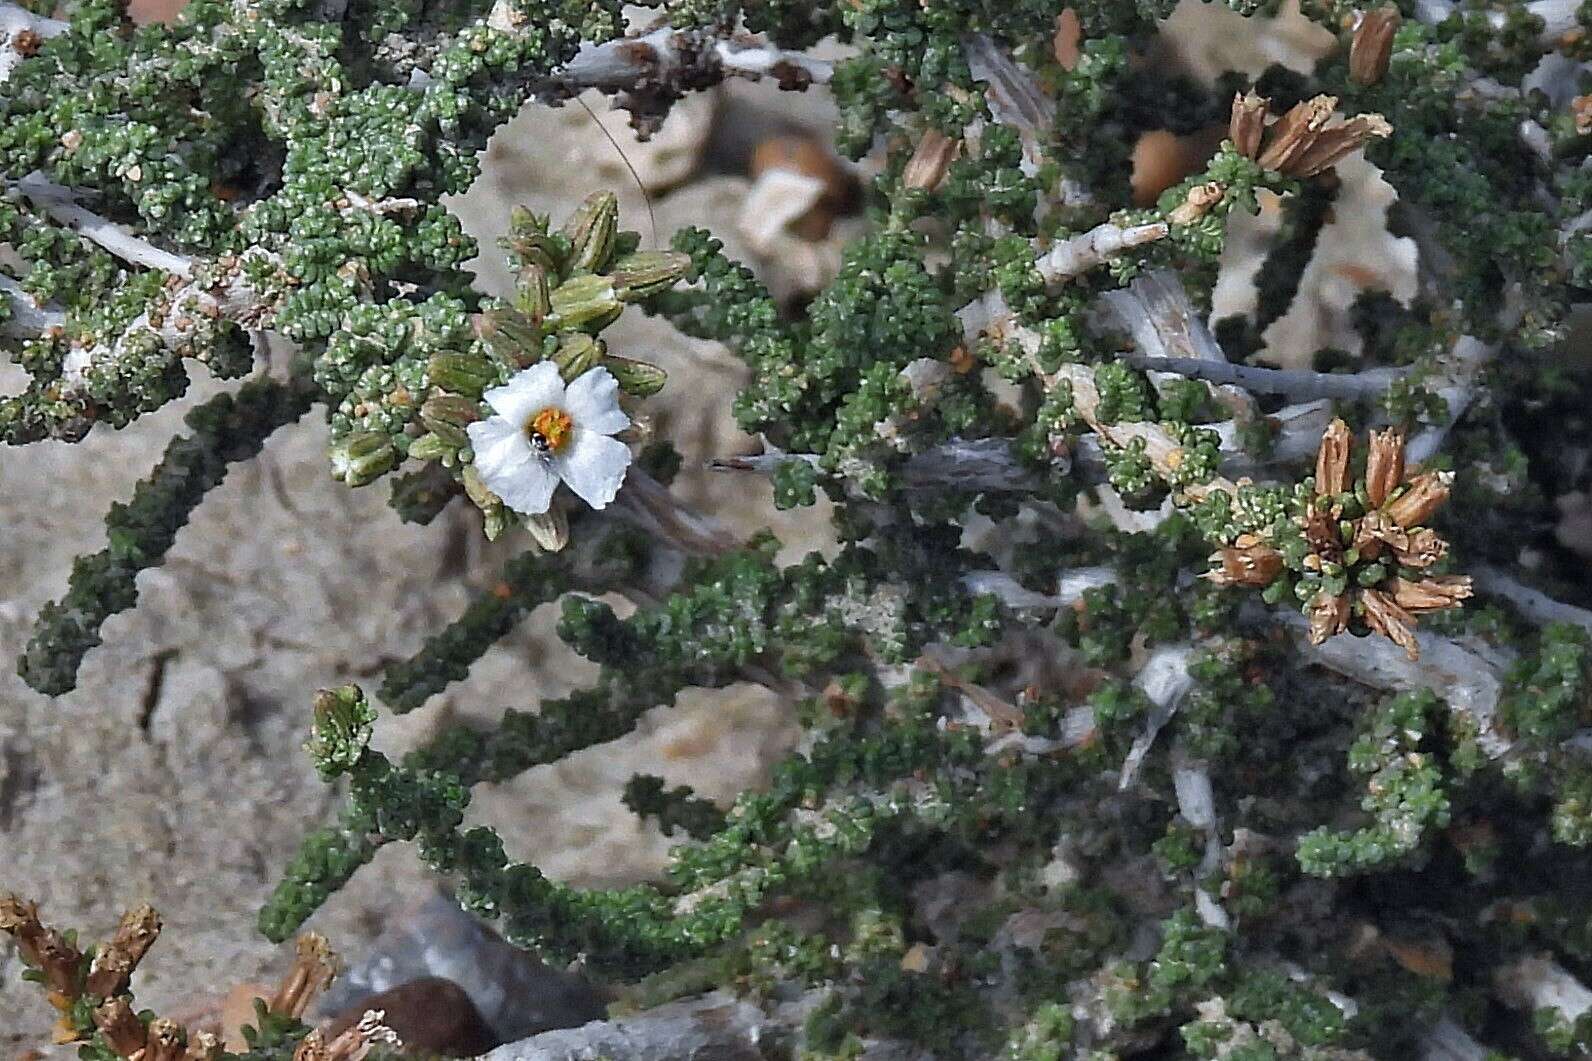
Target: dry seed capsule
[(464, 374), (640, 378)]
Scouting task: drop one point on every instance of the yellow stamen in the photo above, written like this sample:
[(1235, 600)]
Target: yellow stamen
[(550, 428)]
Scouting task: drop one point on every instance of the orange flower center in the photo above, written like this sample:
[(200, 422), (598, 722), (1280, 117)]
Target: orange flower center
[(550, 429)]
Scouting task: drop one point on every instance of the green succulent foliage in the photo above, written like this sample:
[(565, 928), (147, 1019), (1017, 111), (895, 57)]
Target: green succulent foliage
[(973, 866)]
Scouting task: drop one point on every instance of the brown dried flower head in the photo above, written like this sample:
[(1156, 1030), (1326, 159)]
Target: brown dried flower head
[(114, 964), (103, 986), (1251, 564), (1581, 111), (120, 1026), (1332, 460), (1247, 125), (1328, 615), (1361, 539), (352, 1044), (314, 966), (1372, 46), (26, 42), (1201, 199), (1384, 467), (1303, 142), (1367, 551)]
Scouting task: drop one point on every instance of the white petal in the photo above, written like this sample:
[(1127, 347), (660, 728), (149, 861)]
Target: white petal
[(529, 491), (528, 393), (500, 447), (593, 464), (509, 467), (592, 401)]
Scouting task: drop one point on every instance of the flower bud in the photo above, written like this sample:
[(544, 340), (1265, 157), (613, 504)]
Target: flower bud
[(523, 221), (543, 251), (640, 378), (495, 517), (466, 374), (513, 337), (648, 272), (431, 447), (494, 521), (577, 353), (592, 229), (341, 730), (447, 416), (477, 490), (585, 302), (362, 458), (533, 294), (549, 529)]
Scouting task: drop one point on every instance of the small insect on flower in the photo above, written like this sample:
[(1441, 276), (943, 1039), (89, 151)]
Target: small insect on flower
[(543, 432)]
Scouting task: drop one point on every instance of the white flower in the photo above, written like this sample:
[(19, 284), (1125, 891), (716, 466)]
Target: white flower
[(544, 432)]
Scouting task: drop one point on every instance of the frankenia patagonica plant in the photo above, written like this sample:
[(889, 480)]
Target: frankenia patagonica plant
[(90, 989), (1122, 739)]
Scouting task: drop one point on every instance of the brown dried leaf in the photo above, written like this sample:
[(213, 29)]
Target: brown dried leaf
[(933, 156)]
